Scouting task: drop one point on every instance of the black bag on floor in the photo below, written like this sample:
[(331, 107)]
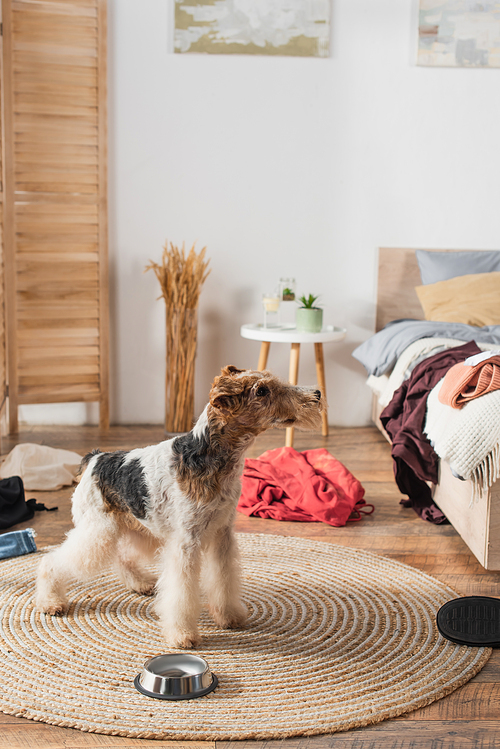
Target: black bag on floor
[(13, 505)]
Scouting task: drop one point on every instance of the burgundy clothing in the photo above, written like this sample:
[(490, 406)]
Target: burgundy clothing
[(415, 462)]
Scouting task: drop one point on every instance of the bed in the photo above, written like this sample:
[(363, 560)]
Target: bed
[(467, 493)]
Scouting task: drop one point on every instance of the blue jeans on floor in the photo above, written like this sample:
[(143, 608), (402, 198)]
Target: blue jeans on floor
[(16, 543)]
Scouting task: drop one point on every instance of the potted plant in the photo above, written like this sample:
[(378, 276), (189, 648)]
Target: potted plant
[(308, 317), (287, 289)]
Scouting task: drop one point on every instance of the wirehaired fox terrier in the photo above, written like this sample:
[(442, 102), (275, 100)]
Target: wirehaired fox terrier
[(176, 500)]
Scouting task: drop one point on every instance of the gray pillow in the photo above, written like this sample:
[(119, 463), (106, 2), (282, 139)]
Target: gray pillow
[(440, 266)]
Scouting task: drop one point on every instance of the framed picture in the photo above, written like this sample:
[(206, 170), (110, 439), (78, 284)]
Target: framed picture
[(459, 33), (253, 27)]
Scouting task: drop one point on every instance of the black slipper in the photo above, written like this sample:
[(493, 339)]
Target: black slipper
[(472, 620)]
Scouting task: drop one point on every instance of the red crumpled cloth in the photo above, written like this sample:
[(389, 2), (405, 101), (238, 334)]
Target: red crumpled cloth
[(312, 486)]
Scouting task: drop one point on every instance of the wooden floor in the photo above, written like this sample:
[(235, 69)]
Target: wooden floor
[(468, 718)]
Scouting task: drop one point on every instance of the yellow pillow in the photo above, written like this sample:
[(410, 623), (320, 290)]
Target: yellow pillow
[(473, 299)]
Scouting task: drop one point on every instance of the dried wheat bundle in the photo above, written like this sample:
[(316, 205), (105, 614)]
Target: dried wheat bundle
[(181, 278)]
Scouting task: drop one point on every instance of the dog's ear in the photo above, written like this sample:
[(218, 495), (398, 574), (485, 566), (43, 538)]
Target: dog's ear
[(225, 390), (230, 370), (223, 403)]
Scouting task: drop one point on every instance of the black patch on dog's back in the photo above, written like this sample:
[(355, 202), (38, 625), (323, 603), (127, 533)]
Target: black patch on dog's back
[(197, 455), (191, 453), (198, 463), (122, 484)]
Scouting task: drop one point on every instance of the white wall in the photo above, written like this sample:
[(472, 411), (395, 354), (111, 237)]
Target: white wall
[(284, 167)]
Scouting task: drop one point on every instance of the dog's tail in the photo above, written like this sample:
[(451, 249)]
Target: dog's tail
[(85, 461)]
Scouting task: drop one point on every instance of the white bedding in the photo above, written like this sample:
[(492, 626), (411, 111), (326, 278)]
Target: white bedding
[(468, 438), (385, 386)]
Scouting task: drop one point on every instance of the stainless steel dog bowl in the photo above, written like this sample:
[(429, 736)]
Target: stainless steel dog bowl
[(175, 676)]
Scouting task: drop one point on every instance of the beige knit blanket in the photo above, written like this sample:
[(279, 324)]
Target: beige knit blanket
[(467, 438)]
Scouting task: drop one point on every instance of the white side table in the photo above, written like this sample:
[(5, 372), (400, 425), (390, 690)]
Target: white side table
[(290, 334)]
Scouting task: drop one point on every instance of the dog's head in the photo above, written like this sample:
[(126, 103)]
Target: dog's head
[(257, 401)]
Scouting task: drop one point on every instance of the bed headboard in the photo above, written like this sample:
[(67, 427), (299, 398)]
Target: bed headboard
[(398, 274)]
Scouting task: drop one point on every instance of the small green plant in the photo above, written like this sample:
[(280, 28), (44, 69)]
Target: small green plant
[(307, 302)]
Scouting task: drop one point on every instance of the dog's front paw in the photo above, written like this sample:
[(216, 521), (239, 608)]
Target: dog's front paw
[(54, 608), (233, 618), (178, 638)]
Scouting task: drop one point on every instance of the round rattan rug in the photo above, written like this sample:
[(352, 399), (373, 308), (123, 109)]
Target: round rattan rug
[(337, 638)]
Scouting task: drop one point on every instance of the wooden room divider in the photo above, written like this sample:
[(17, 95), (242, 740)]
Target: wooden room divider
[(55, 278)]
